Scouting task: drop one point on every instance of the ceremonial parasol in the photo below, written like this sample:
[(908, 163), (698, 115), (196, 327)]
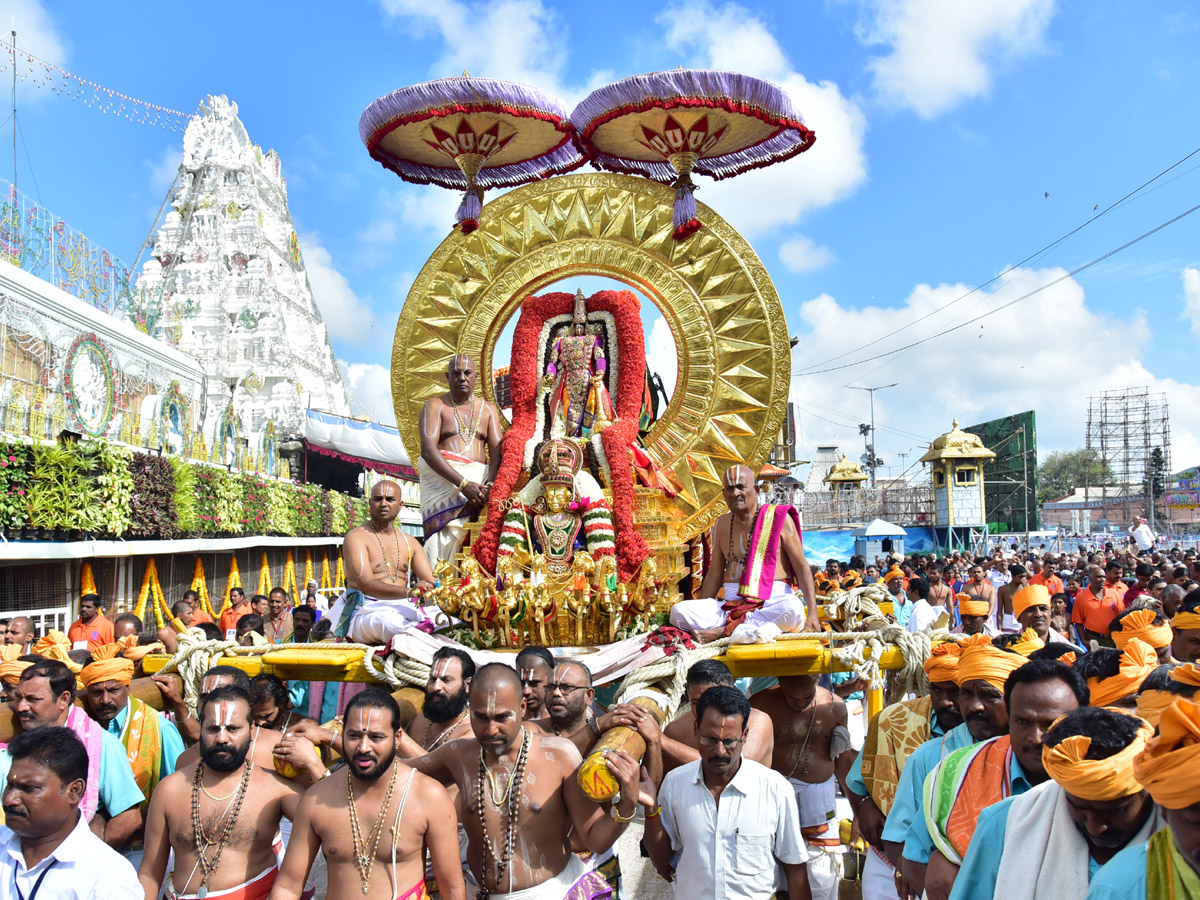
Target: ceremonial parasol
[(666, 125), (469, 134)]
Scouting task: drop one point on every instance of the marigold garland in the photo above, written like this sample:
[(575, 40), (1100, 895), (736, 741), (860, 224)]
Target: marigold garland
[(289, 575), (264, 576), (200, 586), (340, 576), (325, 585), (87, 580), (308, 575), (151, 589), (235, 579)]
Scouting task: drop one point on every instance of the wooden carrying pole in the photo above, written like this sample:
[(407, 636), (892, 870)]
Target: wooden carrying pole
[(594, 777)]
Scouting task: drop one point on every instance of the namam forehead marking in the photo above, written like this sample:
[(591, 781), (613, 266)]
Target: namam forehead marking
[(491, 701), (460, 358), (441, 668), (734, 474)]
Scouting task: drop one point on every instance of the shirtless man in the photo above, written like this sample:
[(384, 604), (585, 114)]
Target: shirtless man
[(460, 453), (521, 801), (979, 588), (236, 804), (444, 714), (339, 816), (940, 593), (1005, 620), (760, 610), (568, 696), (20, 632), (812, 750), (679, 742), (378, 558), (535, 665), (262, 740)]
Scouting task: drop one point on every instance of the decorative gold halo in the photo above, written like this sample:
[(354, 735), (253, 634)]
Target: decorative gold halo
[(730, 332)]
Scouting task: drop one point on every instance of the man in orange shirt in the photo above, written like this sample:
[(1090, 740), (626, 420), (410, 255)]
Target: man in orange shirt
[(199, 616), (91, 626), (234, 610), (1044, 574), (1100, 602)]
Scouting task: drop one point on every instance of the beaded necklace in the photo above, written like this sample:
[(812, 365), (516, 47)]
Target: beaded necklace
[(510, 805), (738, 561), (445, 734), (223, 831), (364, 853)]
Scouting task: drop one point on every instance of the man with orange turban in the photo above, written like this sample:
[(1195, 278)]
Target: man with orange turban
[(151, 742), (969, 780), (982, 669), (1114, 677), (1050, 841), (1031, 606), (10, 674), (892, 736), (973, 614), (1168, 865), (1185, 624), (1160, 689), (1147, 625)]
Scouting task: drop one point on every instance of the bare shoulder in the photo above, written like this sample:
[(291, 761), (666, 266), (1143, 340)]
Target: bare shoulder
[(558, 750), (759, 720), (176, 783), (685, 724), (272, 784), (433, 404), (428, 792), (768, 700)]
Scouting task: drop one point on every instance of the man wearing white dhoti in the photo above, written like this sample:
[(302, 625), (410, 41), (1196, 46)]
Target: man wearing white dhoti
[(758, 563), (460, 452)]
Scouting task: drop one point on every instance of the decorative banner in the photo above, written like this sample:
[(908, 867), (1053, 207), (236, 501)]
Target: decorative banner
[(264, 576), (87, 580), (41, 74), (89, 386)]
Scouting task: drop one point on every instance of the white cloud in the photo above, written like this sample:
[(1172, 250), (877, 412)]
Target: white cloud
[(1191, 298), (163, 171), (801, 254), (730, 37), (372, 384), (36, 30), (943, 52), (346, 316), (1009, 362)]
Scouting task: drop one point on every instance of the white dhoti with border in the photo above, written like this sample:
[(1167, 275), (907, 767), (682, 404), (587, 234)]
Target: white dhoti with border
[(784, 610), (817, 804), (441, 503), (575, 882)]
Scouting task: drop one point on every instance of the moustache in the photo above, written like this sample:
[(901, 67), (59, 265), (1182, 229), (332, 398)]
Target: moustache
[(11, 812), (976, 717)]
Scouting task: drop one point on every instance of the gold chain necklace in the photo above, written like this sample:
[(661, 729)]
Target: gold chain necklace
[(469, 428), (441, 737), (498, 799), (364, 856), (391, 576)]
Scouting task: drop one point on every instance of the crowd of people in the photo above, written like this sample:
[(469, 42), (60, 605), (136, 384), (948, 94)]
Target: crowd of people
[(1054, 755)]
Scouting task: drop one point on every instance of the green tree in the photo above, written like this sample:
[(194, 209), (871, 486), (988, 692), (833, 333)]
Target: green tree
[(1157, 472), (1065, 470)]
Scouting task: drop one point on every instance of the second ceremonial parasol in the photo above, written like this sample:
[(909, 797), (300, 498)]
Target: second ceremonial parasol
[(470, 134), (666, 125)]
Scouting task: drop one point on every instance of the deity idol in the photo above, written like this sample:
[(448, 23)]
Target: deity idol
[(579, 402), (561, 511)]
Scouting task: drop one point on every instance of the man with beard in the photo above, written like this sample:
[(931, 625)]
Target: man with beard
[(568, 697), (811, 741), (44, 698), (1051, 840), (444, 714), (521, 800), (982, 669), (278, 623), (47, 848), (892, 736), (1168, 865), (219, 816), (970, 779), (380, 797), (262, 740), (535, 665)]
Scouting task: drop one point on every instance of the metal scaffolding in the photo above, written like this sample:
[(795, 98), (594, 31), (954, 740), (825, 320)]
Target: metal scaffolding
[(1129, 434)]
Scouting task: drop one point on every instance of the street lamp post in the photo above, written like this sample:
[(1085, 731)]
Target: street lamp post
[(871, 391)]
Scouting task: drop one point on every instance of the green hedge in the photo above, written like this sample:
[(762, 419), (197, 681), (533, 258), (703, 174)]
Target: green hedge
[(103, 490)]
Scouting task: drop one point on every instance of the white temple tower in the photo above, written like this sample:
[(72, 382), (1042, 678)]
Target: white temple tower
[(228, 284)]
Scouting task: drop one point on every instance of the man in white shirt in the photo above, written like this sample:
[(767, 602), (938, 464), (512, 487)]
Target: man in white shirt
[(733, 822), (922, 613), (48, 851), (1142, 535)]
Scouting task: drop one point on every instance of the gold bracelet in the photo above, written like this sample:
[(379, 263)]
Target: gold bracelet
[(616, 814), (462, 484)]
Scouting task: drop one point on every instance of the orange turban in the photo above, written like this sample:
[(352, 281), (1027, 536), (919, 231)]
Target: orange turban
[(1138, 660), (1151, 703), (130, 649), (1095, 779), (1068, 658), (114, 669), (1140, 624), (1187, 673), (983, 661), (1028, 643), (56, 645), (11, 669), (942, 665), (969, 606), (11, 651), (1169, 765), (1034, 595), (1182, 621), (892, 574), (105, 651)]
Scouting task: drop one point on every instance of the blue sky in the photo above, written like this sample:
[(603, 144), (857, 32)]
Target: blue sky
[(942, 127)]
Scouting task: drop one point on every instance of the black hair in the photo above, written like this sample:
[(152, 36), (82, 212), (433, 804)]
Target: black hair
[(240, 678), (921, 586), (1117, 623), (227, 692), (1005, 641), (211, 631), (463, 657), (540, 653), (56, 749), (1036, 671), (131, 618), (269, 687), (1190, 602), (1066, 598), (709, 671), (321, 629), (1116, 564), (190, 595), (1143, 569), (1054, 650), (93, 598), (277, 590), (306, 610), (82, 657), (256, 597), (1016, 570), (587, 673), (728, 701), (374, 698), (1111, 732), (1159, 679), (62, 679), (1104, 662), (251, 622)]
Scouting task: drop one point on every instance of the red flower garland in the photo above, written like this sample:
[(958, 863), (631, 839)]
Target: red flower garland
[(616, 438)]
